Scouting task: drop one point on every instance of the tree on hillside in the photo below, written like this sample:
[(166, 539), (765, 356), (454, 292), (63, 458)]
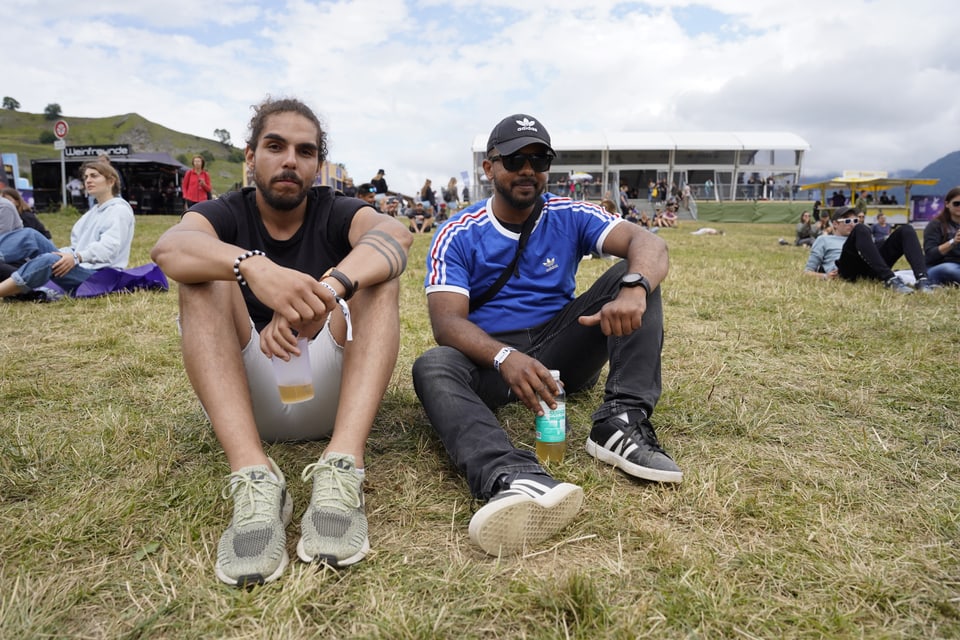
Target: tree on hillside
[(52, 111), (223, 136), (10, 104)]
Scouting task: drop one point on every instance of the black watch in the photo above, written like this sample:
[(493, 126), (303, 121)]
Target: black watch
[(635, 280)]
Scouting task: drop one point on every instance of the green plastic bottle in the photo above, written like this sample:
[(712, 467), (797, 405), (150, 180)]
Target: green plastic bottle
[(552, 427)]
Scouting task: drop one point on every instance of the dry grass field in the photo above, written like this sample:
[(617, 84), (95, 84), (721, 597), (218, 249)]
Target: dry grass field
[(816, 423)]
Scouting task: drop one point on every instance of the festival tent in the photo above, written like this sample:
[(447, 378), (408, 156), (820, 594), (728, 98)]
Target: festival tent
[(150, 181)]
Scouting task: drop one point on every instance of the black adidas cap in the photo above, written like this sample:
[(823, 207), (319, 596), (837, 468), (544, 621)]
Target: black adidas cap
[(517, 131)]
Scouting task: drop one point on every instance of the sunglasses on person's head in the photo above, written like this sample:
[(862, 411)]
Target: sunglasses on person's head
[(847, 220), (539, 162), (372, 189)]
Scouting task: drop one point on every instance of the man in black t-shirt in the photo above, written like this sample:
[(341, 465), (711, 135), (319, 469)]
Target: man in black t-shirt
[(259, 269), (379, 184)]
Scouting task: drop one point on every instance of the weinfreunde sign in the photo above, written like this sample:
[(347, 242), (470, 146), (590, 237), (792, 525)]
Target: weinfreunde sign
[(94, 150)]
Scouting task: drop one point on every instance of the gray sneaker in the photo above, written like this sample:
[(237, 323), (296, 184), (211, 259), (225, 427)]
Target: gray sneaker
[(253, 549), (528, 508), (897, 285), (923, 285), (334, 527), (633, 448)]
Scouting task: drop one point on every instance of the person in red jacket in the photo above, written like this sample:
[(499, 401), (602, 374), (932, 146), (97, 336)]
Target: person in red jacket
[(196, 183)]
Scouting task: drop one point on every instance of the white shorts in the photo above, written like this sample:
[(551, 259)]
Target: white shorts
[(309, 420)]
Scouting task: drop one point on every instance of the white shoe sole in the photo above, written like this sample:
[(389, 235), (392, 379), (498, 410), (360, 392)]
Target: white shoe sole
[(510, 525), (332, 561), (644, 473), (255, 579)]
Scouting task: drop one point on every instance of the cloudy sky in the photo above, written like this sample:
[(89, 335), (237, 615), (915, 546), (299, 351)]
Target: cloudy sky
[(406, 86)]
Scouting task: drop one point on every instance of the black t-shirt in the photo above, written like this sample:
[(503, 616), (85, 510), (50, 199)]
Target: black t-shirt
[(320, 243), (31, 220)]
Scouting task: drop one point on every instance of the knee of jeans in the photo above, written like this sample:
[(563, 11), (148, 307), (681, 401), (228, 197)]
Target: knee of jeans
[(436, 362)]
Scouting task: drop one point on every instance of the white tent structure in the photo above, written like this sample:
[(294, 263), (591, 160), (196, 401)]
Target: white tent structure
[(717, 165)]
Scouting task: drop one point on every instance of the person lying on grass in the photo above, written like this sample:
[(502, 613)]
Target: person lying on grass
[(850, 253)]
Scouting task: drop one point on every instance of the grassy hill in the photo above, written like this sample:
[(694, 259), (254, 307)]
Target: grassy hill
[(20, 134)]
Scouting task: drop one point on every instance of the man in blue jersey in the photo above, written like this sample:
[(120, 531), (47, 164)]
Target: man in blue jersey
[(850, 253), (500, 348)]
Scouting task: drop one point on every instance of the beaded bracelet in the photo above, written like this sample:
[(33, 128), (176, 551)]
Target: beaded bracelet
[(241, 258)]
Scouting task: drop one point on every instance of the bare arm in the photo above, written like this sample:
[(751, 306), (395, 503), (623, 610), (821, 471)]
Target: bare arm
[(190, 252), (379, 253), (380, 245), (645, 253), (528, 378)]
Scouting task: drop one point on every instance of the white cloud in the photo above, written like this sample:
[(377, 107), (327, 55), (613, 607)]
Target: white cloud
[(405, 86)]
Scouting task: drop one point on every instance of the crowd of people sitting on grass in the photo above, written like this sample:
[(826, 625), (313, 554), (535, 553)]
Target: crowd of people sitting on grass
[(846, 247)]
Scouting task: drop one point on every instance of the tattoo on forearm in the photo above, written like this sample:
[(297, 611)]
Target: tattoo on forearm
[(384, 244)]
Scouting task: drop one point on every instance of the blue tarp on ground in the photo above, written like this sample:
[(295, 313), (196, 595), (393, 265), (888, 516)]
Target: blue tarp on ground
[(109, 280)]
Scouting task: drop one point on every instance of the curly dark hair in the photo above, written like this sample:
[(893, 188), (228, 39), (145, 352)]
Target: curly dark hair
[(270, 107)]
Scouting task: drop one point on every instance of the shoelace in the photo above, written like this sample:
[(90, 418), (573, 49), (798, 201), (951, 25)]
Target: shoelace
[(251, 497), (342, 488), (645, 433)]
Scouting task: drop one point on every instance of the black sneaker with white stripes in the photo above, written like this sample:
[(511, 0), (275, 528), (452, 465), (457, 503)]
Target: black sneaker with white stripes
[(633, 448), (527, 509)]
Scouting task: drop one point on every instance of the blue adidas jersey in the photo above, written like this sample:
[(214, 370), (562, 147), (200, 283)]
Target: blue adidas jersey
[(471, 250)]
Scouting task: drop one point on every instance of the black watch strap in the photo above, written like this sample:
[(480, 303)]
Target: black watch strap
[(350, 286), (635, 280)]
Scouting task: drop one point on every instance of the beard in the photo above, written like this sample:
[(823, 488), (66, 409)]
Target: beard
[(505, 192), (281, 201)]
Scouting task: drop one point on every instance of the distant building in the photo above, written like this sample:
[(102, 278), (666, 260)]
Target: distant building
[(716, 165)]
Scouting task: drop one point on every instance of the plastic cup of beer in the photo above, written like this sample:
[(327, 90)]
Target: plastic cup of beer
[(294, 377)]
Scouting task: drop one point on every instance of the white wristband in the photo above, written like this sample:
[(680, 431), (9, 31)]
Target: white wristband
[(343, 307), (501, 356)]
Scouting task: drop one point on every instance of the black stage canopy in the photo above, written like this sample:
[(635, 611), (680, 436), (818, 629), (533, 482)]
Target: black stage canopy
[(150, 182)]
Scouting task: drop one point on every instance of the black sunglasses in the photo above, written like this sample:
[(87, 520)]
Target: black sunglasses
[(539, 162), (954, 203)]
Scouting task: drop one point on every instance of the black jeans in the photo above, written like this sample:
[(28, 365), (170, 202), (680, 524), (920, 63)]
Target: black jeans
[(460, 396), (861, 257)]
